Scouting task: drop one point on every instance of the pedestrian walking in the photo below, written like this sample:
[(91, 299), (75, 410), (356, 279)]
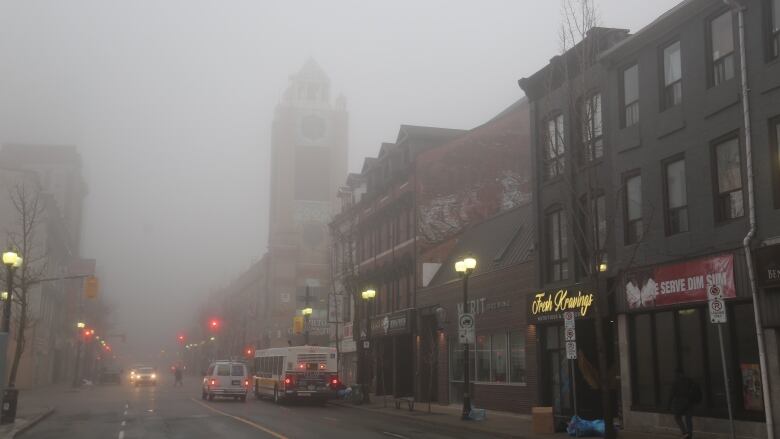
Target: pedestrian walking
[(178, 375), (686, 393)]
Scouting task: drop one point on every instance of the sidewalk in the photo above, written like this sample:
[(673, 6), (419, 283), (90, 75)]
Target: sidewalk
[(498, 424), (34, 406)]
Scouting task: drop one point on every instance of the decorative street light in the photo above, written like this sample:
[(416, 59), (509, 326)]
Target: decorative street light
[(465, 267), (306, 314), (368, 295), (12, 261)]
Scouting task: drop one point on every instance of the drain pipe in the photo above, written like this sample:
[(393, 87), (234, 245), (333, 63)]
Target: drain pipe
[(770, 430)]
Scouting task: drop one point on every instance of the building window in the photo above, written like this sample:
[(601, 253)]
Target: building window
[(676, 198), (554, 147), (600, 209), (592, 133), (557, 247), (672, 75), (491, 364), (633, 208), (661, 342), (728, 173), (631, 96), (722, 45), (774, 28)]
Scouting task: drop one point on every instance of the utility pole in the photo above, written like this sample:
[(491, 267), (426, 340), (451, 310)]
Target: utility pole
[(306, 316)]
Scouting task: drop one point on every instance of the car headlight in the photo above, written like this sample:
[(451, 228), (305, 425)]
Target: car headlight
[(154, 376)]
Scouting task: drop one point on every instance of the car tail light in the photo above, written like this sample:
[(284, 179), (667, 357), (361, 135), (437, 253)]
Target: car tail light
[(246, 383), (289, 380), (213, 382), (334, 381)]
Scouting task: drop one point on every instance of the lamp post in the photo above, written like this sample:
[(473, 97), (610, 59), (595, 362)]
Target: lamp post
[(306, 314), (80, 328), (367, 295), (12, 261), (465, 267)]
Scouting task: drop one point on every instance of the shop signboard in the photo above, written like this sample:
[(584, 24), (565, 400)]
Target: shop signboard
[(680, 283), (396, 323), (768, 266), (552, 305)]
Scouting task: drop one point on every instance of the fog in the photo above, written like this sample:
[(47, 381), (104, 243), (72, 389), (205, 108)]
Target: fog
[(170, 104)]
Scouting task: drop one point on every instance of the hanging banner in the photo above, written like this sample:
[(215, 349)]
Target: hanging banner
[(680, 283)]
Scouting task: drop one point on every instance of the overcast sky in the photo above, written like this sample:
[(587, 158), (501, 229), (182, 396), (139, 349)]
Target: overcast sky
[(170, 104)]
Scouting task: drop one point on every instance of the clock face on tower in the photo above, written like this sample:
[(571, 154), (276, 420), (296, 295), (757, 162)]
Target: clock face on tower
[(313, 127)]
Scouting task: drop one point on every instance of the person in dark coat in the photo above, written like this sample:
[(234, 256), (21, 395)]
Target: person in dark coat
[(685, 394)]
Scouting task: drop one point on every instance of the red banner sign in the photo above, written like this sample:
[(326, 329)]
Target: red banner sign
[(680, 283)]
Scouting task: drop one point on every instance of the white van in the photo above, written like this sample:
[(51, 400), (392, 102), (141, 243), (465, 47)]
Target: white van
[(226, 378)]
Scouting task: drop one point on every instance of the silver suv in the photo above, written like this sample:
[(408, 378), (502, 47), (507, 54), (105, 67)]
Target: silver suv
[(226, 378)]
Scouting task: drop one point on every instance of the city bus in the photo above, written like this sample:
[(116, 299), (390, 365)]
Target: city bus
[(296, 372)]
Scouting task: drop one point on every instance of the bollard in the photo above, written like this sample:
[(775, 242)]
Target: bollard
[(8, 412)]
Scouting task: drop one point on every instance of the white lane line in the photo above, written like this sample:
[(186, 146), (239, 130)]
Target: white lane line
[(127, 406), (125, 412), (124, 423), (387, 433), (122, 434)]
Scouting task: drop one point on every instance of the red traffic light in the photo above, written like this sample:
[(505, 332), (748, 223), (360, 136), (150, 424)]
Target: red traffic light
[(214, 324), (181, 338), (249, 352)]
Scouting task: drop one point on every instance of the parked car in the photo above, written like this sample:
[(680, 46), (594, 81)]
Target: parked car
[(226, 378), (110, 375)]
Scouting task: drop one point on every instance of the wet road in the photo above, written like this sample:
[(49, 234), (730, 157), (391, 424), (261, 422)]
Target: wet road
[(126, 412)]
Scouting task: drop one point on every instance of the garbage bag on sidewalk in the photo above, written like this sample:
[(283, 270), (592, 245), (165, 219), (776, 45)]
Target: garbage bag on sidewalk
[(579, 427), (477, 414)]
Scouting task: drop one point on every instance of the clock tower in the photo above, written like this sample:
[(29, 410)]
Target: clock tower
[(308, 164)]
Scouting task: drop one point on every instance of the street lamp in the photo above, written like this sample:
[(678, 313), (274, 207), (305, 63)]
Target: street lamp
[(368, 295), (12, 261), (465, 267)]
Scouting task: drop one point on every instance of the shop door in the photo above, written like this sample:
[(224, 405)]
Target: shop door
[(557, 387)]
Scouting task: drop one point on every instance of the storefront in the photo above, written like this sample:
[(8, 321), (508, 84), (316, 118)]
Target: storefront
[(391, 348), (348, 357), (501, 361), (561, 373), (665, 325)]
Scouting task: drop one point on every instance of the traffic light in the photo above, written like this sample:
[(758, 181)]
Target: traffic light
[(249, 352), (181, 338), (214, 324), (91, 287)]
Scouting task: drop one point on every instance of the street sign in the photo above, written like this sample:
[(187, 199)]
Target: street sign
[(717, 306), (571, 350), (466, 328), (718, 311), (568, 319)]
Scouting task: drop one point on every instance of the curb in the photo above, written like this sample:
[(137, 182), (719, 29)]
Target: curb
[(35, 420), (466, 427)]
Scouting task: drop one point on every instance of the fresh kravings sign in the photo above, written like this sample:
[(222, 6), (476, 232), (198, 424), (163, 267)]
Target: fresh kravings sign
[(550, 305), (680, 283)]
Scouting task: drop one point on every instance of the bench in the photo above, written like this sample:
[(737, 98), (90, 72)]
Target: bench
[(408, 400)]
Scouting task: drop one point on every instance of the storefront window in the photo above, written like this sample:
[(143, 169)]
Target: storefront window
[(645, 383), (498, 361), (667, 353), (663, 341), (499, 358), (517, 360), (747, 358), (483, 358)]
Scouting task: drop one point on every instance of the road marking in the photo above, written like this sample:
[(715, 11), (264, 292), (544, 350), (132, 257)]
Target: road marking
[(125, 412), (127, 406), (387, 433), (240, 419), (123, 423), (330, 419), (122, 434)]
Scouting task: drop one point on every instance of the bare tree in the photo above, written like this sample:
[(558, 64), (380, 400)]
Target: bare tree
[(587, 187), (28, 204)]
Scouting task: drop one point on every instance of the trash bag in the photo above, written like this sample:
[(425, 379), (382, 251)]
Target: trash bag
[(579, 427), (477, 414)]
